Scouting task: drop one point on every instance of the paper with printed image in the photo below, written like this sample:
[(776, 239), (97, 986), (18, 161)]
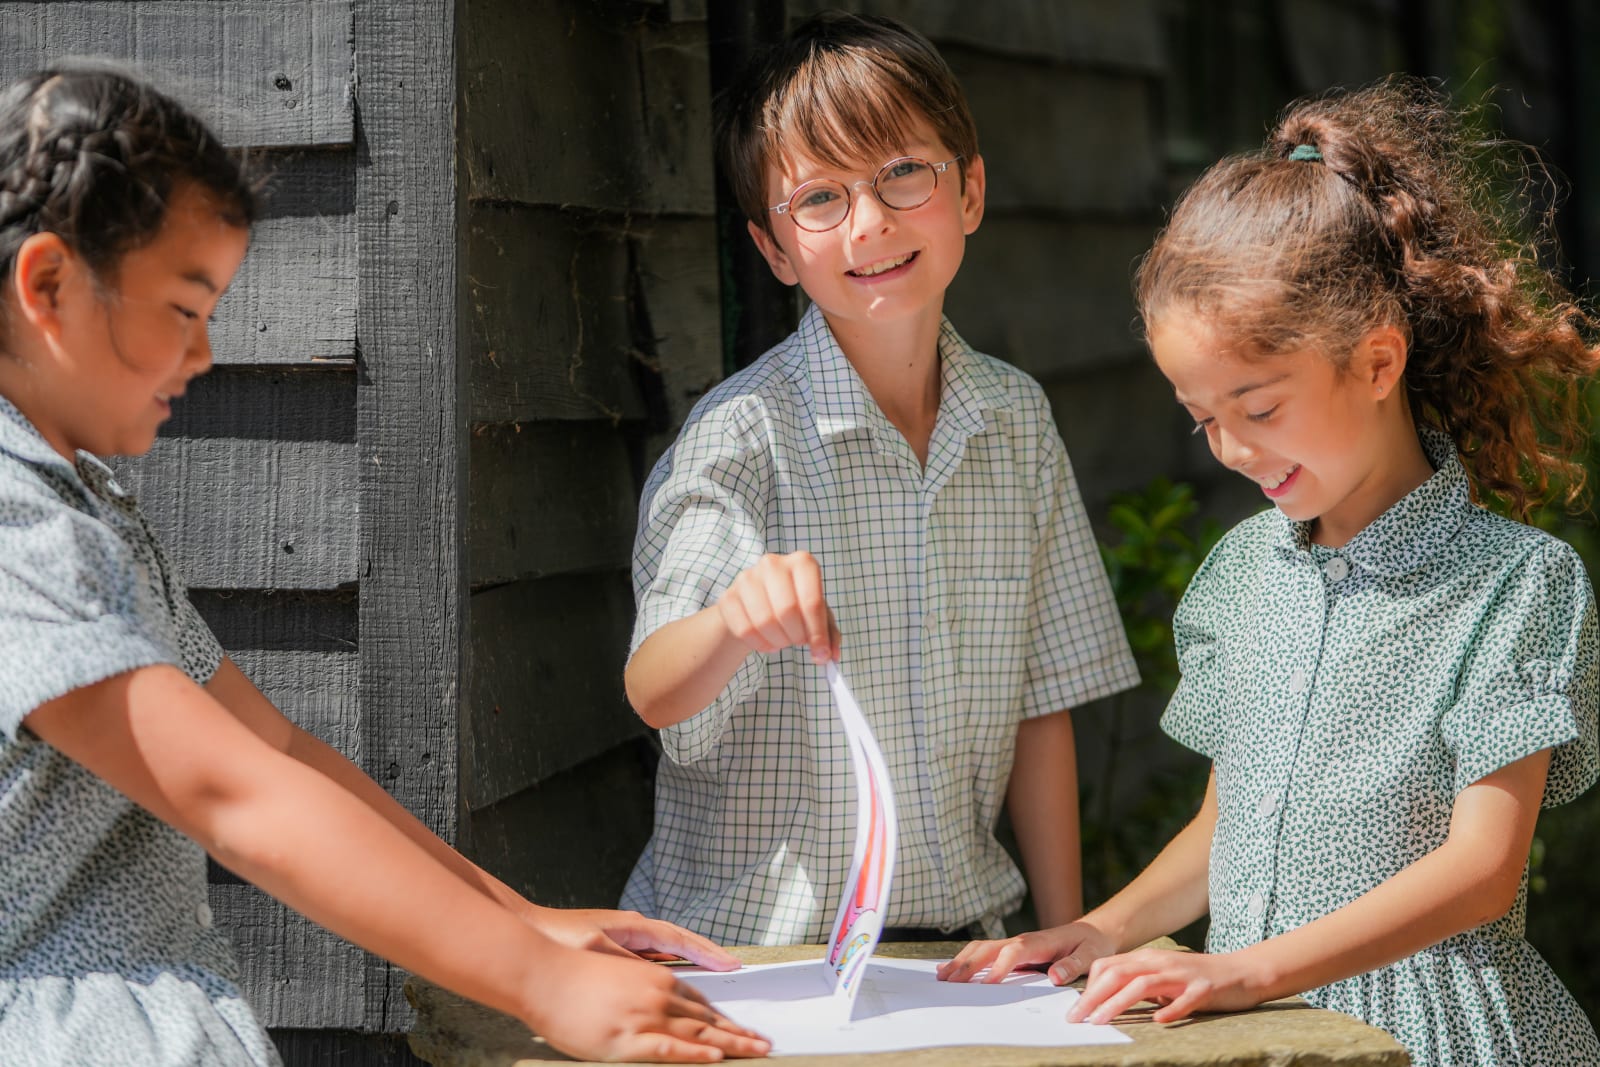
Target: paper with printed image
[(860, 920), (901, 1005)]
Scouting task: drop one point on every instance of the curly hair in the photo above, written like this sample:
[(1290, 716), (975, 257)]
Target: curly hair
[(1400, 217), (93, 155)]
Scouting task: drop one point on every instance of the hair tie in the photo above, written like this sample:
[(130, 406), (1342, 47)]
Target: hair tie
[(1305, 153)]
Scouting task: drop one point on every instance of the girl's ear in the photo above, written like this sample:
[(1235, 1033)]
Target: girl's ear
[(776, 257), (1380, 359), (38, 277), (972, 196)]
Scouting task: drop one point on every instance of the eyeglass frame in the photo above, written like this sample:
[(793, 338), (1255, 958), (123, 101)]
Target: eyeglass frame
[(787, 207)]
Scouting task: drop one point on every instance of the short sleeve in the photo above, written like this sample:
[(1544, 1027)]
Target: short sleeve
[(1195, 715), (69, 603), (701, 524), (1078, 649), (1530, 680)]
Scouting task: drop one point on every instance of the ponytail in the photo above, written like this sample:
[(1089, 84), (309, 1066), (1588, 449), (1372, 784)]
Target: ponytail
[(1380, 207)]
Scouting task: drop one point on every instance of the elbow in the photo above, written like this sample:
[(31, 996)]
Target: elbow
[(646, 705)]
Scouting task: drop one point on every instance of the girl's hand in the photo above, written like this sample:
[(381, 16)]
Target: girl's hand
[(1067, 951), (628, 934), (596, 1007), (778, 604), (1181, 982)]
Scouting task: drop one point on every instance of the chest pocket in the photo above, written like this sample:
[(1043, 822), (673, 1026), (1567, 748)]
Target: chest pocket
[(993, 652)]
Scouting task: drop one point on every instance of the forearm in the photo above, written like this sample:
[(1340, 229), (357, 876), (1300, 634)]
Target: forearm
[(324, 758), (1473, 877), (1042, 798), (373, 895), (1170, 893), (682, 668)]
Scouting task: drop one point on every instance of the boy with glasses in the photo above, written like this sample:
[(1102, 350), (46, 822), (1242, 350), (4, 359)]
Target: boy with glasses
[(873, 491)]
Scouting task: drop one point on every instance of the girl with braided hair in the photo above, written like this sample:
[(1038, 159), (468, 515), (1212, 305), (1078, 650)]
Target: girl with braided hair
[(1390, 680), (129, 744)]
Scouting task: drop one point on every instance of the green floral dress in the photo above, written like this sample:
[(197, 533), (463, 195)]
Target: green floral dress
[(1346, 697)]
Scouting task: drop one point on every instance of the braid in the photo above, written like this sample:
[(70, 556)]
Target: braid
[(92, 155)]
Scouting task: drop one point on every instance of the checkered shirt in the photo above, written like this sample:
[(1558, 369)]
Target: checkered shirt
[(970, 595)]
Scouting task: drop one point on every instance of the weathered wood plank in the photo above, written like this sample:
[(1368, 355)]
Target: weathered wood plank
[(261, 72), (294, 299), (1330, 42), (1125, 35), (565, 103), (1064, 139), (301, 651), (409, 421), (252, 485), (682, 313), (1051, 297), (550, 329), (545, 681), (548, 498), (572, 840), (295, 973), (329, 1048)]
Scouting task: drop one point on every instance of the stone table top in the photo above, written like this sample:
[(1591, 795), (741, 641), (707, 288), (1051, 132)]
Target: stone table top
[(453, 1032)]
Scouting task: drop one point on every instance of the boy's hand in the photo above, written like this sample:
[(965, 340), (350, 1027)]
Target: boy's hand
[(778, 604), (595, 1007), (1067, 950), (1181, 982), (627, 934)]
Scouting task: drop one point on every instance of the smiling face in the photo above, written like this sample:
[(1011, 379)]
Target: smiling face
[(1327, 445), (880, 264), (106, 357)]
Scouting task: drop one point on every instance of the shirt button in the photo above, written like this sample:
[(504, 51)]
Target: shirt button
[(1337, 569), (202, 914), (1268, 805), (1298, 681), (94, 607), (1257, 905)]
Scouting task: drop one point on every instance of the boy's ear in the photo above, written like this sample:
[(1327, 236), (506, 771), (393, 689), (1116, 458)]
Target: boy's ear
[(776, 257), (38, 277), (1380, 359), (972, 196)]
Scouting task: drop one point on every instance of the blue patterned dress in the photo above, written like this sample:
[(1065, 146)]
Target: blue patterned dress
[(1346, 697), (107, 950)]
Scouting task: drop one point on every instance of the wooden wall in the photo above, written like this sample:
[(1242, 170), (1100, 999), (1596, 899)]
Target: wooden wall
[(594, 323)]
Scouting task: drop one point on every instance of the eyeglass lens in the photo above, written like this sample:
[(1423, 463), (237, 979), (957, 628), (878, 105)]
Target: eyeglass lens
[(902, 184)]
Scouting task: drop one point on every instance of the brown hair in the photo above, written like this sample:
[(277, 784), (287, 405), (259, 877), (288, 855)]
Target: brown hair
[(1404, 220), (841, 88)]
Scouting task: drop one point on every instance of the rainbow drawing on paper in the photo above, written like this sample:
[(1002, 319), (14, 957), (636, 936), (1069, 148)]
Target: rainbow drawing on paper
[(864, 906)]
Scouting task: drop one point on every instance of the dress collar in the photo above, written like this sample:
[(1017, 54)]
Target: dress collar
[(19, 437), (841, 403), (1416, 527)]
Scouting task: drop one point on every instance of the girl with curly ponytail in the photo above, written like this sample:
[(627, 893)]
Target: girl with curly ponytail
[(130, 745), (1390, 679)]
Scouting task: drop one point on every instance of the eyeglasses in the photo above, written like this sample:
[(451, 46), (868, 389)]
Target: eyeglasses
[(901, 184)]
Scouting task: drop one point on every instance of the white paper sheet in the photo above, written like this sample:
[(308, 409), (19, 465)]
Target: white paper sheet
[(900, 1005), (859, 921)]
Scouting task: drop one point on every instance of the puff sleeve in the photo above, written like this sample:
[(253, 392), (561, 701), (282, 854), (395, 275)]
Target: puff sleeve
[(1195, 715), (1531, 677)]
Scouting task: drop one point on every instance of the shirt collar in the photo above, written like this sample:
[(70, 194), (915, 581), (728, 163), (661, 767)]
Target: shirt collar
[(841, 403), (1414, 528), (19, 437)]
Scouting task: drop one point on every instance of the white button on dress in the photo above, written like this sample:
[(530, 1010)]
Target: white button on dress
[(1257, 905), (1337, 569), (1298, 681), (202, 915)]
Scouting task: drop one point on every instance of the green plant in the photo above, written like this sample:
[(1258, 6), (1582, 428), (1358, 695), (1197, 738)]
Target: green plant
[(1160, 542)]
